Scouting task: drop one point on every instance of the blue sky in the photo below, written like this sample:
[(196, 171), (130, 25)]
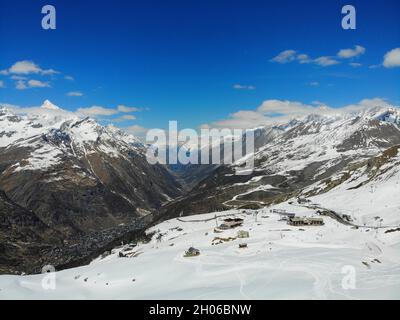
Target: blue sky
[(197, 61)]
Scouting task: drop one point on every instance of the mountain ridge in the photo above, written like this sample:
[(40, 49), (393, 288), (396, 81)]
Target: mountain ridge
[(92, 182), (291, 156), (79, 177)]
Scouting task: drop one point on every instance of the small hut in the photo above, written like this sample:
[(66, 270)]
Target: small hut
[(231, 223)]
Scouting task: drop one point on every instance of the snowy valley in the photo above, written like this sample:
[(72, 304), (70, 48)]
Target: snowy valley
[(341, 170)]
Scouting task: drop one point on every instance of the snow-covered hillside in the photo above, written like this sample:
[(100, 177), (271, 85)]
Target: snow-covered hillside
[(343, 168), (280, 262), (368, 191), (296, 155)]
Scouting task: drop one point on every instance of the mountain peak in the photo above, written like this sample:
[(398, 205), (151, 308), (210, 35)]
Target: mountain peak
[(391, 115), (48, 105)]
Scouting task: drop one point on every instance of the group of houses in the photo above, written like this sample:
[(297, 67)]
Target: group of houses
[(231, 223), (292, 220), (305, 221)]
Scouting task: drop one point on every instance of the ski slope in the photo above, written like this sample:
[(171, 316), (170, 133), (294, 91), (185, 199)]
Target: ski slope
[(281, 262)]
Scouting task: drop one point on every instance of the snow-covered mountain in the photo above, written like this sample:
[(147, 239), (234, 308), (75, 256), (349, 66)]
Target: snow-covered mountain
[(343, 168), (76, 175), (17, 125), (276, 261), (80, 178), (292, 156)]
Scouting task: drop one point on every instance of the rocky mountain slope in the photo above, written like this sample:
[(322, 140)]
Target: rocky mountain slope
[(23, 237), (264, 257), (89, 185), (77, 176), (293, 156)]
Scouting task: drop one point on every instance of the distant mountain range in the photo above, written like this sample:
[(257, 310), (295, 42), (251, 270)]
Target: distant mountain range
[(292, 157)]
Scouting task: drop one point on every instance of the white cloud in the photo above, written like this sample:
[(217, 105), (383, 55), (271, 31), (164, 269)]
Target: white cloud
[(49, 72), (74, 94), (241, 119), (270, 111), (2, 85), (96, 111), (38, 84), (318, 103), (285, 56), (93, 111), (125, 109), (137, 131), (351, 53), (69, 78), (126, 117), (355, 64), (288, 56), (281, 111), (304, 58), (326, 61), (243, 87), (365, 104), (374, 66), (392, 58), (39, 110), (9, 106), (314, 84), (26, 67), (21, 85), (14, 77), (279, 107)]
